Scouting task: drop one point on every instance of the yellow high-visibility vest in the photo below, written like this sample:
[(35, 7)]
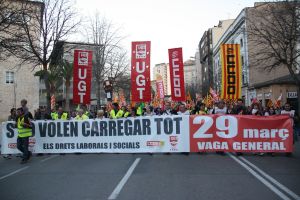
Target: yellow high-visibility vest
[(127, 114), (64, 116), (113, 114), (23, 132), (83, 117), (120, 114)]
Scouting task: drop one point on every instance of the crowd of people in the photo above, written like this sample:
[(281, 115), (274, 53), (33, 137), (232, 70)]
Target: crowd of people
[(114, 111)]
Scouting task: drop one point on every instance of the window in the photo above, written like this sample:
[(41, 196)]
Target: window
[(9, 77), (241, 42)]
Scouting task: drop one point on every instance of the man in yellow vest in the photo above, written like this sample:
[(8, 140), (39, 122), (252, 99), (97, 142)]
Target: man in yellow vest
[(81, 116), (24, 132), (60, 114), (115, 113)]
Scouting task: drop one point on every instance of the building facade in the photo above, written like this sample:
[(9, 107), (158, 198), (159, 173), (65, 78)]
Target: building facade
[(206, 45), (198, 73), (17, 81), (257, 82), (189, 68)]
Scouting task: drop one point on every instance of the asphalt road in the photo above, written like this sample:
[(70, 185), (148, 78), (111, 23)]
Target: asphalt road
[(157, 176)]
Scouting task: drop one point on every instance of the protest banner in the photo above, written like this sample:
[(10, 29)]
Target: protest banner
[(160, 87), (127, 135), (82, 76), (195, 133), (231, 85), (176, 74), (241, 133), (140, 72)]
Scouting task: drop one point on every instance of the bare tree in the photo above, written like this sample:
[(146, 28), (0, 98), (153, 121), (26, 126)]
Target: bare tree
[(109, 56), (274, 29), (117, 65), (10, 18), (55, 20)]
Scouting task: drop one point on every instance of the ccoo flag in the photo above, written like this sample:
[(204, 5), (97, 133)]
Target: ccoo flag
[(176, 74), (231, 87)]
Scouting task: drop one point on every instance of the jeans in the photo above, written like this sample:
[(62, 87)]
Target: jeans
[(22, 145)]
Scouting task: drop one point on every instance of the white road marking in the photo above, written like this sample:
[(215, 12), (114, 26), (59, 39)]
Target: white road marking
[(48, 158), (288, 191), (14, 172), (261, 179), (121, 184)]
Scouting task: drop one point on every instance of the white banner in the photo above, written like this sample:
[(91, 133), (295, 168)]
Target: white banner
[(128, 135)]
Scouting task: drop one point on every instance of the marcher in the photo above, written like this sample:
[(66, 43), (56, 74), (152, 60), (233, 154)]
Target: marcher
[(100, 114), (183, 110), (24, 132), (240, 109), (148, 111), (114, 111), (60, 114), (220, 108), (13, 115), (168, 110), (288, 111), (81, 116), (42, 114)]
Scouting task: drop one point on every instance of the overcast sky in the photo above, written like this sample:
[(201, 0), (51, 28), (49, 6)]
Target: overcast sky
[(166, 23)]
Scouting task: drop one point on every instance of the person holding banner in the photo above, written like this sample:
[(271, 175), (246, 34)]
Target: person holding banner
[(100, 114), (127, 111), (24, 132), (149, 111), (81, 116), (240, 109), (60, 114), (256, 109), (182, 110), (288, 111), (42, 114), (114, 111), (168, 110), (220, 108), (11, 117)]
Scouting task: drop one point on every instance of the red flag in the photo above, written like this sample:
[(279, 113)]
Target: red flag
[(82, 76), (52, 102), (214, 95), (160, 87), (176, 74), (278, 101), (140, 72)]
